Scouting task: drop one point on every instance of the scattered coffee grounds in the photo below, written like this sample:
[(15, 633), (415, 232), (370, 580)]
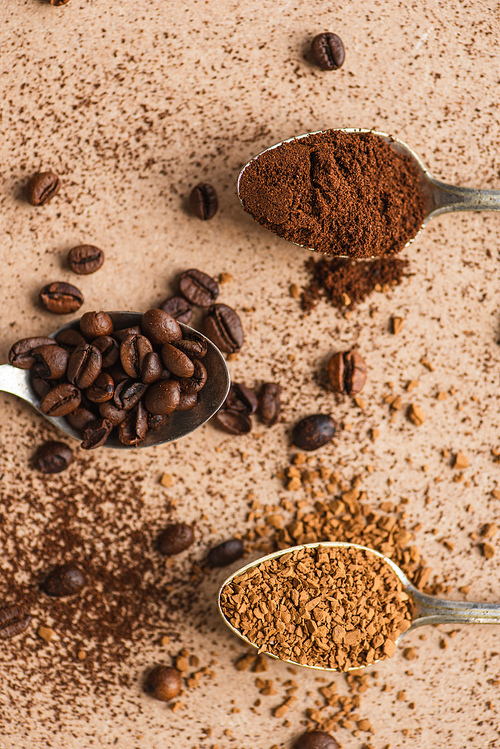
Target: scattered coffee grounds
[(323, 606), (345, 283), (347, 194)]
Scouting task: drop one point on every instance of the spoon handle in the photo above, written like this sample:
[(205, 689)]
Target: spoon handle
[(15, 381), (448, 198), (432, 610)]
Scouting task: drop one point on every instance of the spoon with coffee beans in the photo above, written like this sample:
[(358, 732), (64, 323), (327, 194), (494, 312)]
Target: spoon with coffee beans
[(120, 379), (349, 192), (333, 606)]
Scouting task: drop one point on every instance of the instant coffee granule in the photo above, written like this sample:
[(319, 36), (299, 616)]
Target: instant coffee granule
[(327, 607), (349, 194)]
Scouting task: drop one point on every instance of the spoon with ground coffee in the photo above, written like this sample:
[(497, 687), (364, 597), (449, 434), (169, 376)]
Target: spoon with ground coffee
[(349, 192), (178, 424), (333, 606)]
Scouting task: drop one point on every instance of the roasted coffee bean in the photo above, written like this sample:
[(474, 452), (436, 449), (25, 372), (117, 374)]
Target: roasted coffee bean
[(96, 433), (151, 368), (65, 580), (314, 432), (193, 346), (80, 418), (234, 422), (187, 401), (163, 397), (41, 386), (176, 361), (164, 683), (270, 403), (241, 398), (61, 400), (179, 308), (203, 201), (195, 383), (223, 326), (175, 538), (53, 457), (42, 187), (133, 349), (328, 51), (96, 324), (50, 362), (21, 353), (133, 429), (113, 414), (14, 619), (347, 372), (226, 553), (102, 389), (84, 365), (160, 327), (109, 348), (117, 373), (70, 339), (316, 740), (85, 259), (61, 298), (156, 422), (59, 2), (198, 288), (128, 393), (120, 335)]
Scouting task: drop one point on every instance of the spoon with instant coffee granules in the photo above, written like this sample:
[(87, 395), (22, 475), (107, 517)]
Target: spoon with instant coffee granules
[(333, 606), (349, 192)]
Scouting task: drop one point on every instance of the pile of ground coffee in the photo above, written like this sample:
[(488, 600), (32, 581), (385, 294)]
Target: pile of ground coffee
[(328, 607), (339, 193)]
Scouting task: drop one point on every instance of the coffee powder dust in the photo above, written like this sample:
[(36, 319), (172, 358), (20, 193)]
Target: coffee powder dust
[(347, 194)]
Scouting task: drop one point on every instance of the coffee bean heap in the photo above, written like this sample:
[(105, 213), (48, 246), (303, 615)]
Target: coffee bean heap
[(242, 402)]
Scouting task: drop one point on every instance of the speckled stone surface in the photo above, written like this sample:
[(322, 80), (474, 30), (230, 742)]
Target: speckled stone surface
[(134, 103)]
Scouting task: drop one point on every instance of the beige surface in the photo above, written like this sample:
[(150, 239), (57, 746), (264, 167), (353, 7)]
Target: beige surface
[(132, 103)]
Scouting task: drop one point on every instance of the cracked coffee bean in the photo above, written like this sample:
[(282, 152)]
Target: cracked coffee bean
[(179, 308), (241, 398), (61, 400), (314, 431), (96, 324), (164, 683), (112, 413), (270, 403), (328, 51), (176, 361), (316, 740), (223, 326), (14, 619), (84, 365), (85, 259), (42, 187), (347, 372), (65, 580), (133, 349), (133, 429), (226, 553), (175, 538), (197, 381), (198, 287), (234, 422), (128, 393), (21, 353), (160, 327), (50, 362), (61, 298), (53, 457), (96, 433), (203, 201)]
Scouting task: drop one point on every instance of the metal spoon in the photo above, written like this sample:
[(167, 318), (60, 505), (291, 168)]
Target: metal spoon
[(428, 609), (179, 423), (439, 196)]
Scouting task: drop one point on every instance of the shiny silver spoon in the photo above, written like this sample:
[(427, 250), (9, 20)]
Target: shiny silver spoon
[(179, 423), (428, 609), (439, 196)]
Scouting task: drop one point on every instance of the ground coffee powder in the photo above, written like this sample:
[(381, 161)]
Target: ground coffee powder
[(339, 193)]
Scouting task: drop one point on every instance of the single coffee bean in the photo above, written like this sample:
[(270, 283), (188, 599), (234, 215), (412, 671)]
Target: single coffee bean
[(176, 361), (53, 457), (21, 353), (80, 418), (163, 397), (316, 740), (117, 372), (175, 538), (151, 368), (164, 683), (270, 403), (96, 433), (109, 348), (133, 429), (241, 398), (133, 349), (120, 335), (113, 414), (42, 187), (198, 288), (179, 308), (41, 386), (61, 400), (226, 553), (61, 298), (223, 326), (187, 401), (102, 389), (234, 422), (328, 51), (84, 365), (203, 201), (65, 580), (50, 362), (197, 382), (14, 619), (70, 339), (194, 346), (347, 372), (156, 422), (96, 324), (85, 259), (128, 393), (314, 432), (160, 327)]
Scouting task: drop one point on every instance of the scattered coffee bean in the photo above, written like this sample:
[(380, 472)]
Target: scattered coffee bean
[(234, 422), (70, 339), (195, 347), (198, 287), (109, 348), (270, 403), (50, 362), (187, 401), (128, 393), (53, 457), (151, 368), (84, 365), (328, 51), (163, 397), (176, 361), (133, 349), (241, 398), (179, 308), (175, 538), (164, 683), (14, 619), (134, 427), (223, 326), (347, 372), (112, 413), (61, 400), (197, 382), (61, 298), (203, 201), (314, 431), (160, 327), (66, 580), (96, 433), (96, 324), (226, 553), (21, 353), (85, 259), (316, 740), (80, 418), (42, 187), (102, 389)]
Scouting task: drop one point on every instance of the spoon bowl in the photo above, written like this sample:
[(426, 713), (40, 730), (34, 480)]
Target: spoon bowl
[(178, 424)]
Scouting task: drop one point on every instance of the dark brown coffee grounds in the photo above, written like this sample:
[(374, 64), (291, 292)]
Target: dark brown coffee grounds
[(340, 193)]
